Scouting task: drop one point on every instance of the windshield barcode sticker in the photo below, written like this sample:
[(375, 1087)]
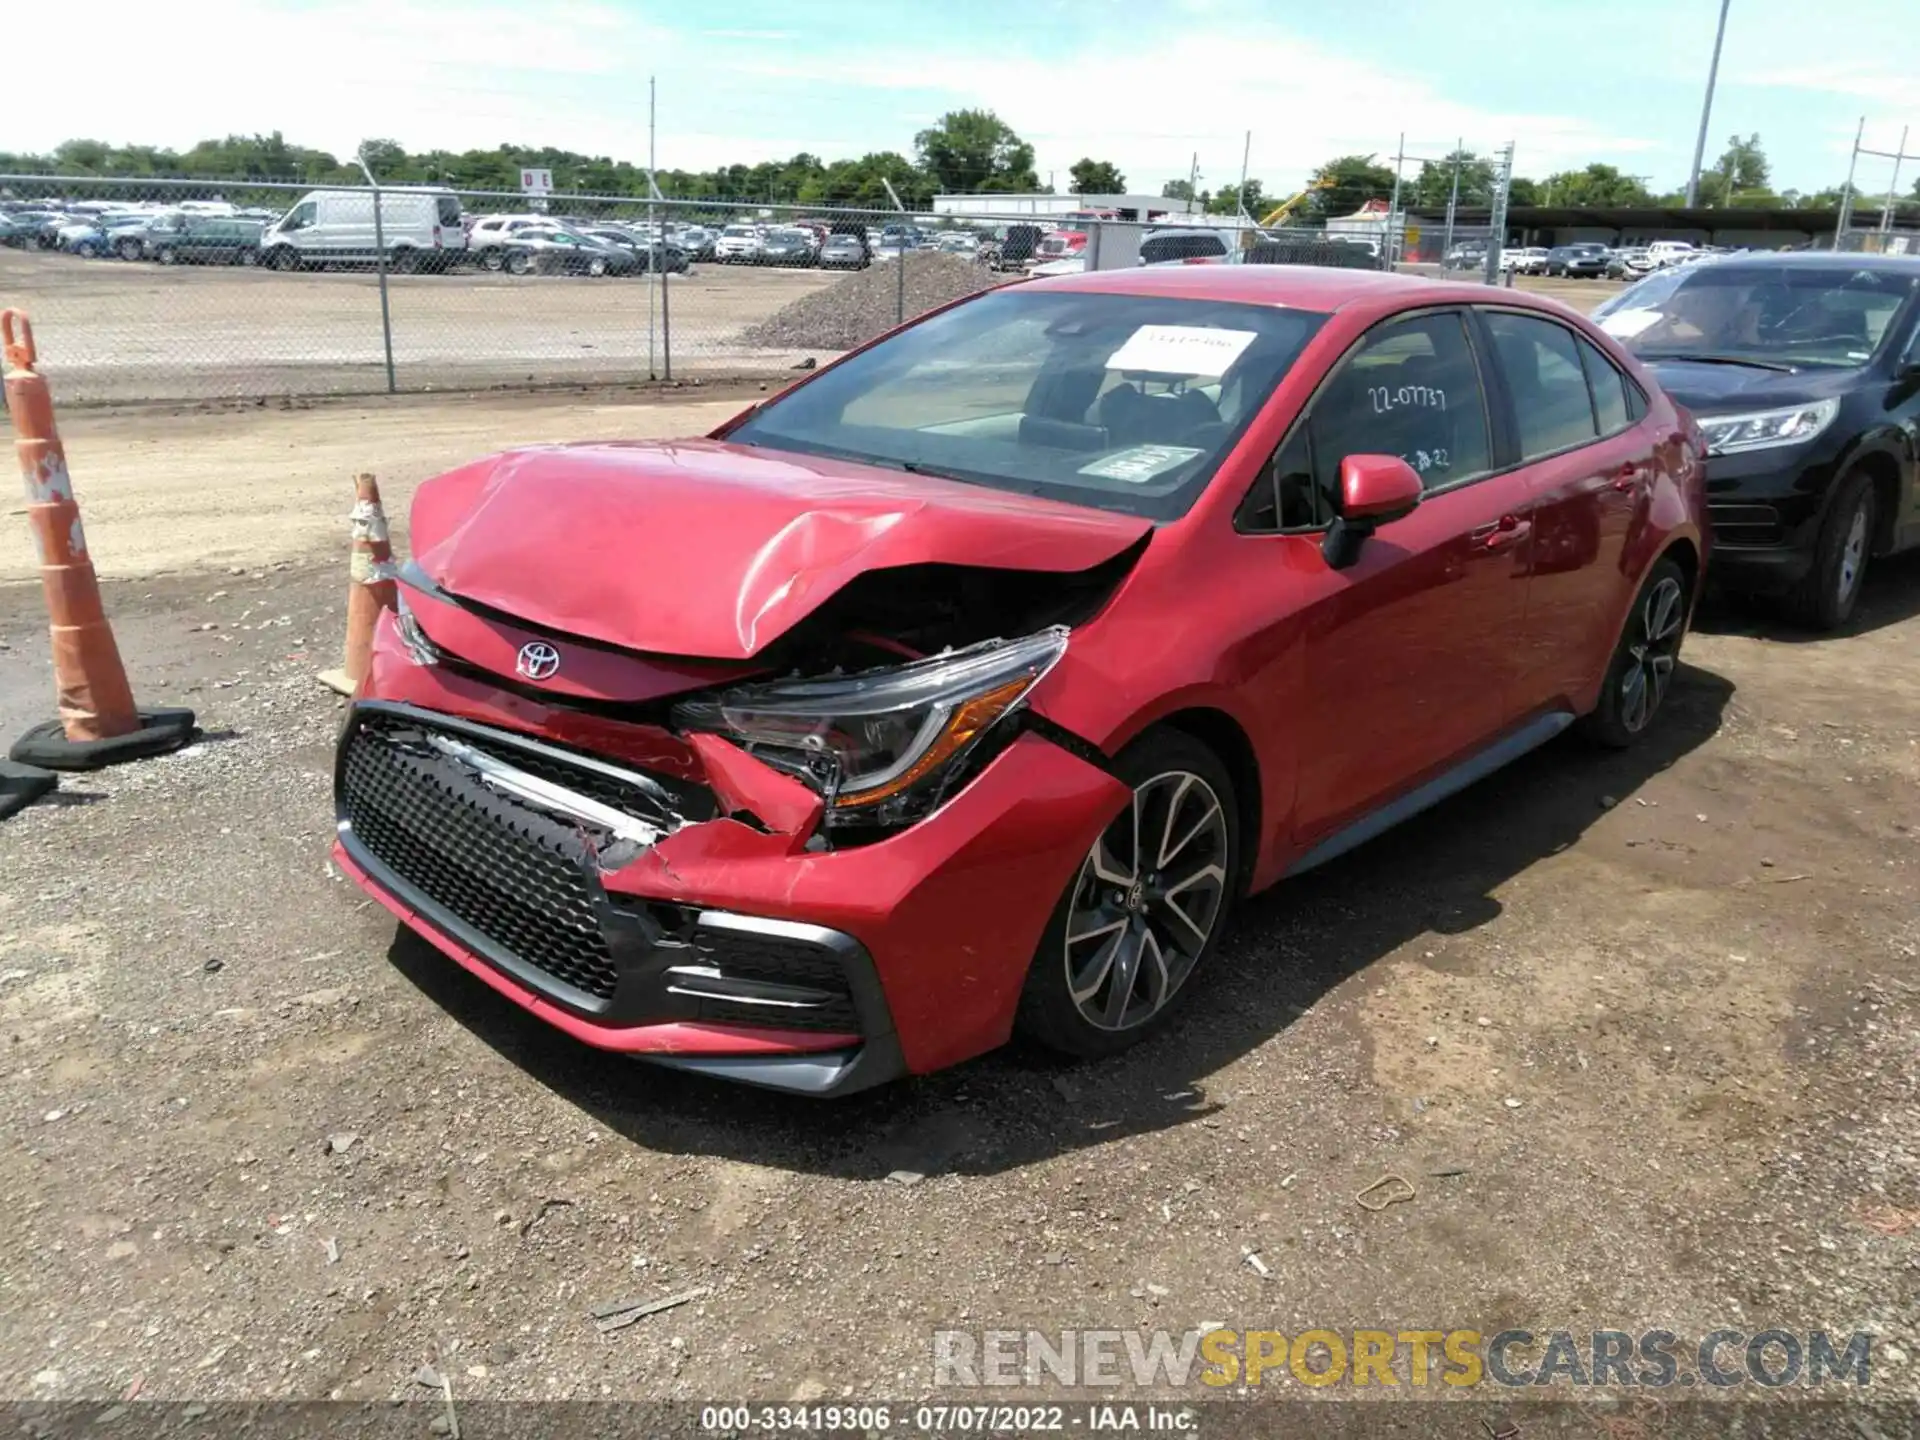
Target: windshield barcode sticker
[(1181, 349), (1141, 463)]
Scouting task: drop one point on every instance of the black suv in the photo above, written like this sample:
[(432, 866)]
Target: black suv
[(1804, 372)]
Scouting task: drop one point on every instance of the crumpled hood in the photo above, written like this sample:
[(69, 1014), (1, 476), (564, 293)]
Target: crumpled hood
[(701, 548)]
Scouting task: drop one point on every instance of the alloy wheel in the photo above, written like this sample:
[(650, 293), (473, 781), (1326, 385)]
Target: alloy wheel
[(1853, 555), (1652, 653), (1146, 902)]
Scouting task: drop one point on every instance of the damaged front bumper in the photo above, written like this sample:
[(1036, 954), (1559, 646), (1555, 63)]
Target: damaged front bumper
[(678, 911)]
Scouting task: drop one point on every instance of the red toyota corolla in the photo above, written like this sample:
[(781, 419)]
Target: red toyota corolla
[(967, 684)]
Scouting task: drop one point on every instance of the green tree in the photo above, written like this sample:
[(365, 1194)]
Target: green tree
[(1096, 177), (1177, 190), (1597, 186), (975, 150), (1229, 201), (1743, 165), (1522, 191), (1355, 179), (1433, 185)]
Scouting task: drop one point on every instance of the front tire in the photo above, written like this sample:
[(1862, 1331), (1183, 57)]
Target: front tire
[(1145, 908), (1644, 660), (1825, 598)]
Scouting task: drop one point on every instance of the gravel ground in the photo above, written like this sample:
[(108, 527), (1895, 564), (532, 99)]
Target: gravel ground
[(865, 303), (1643, 1030)]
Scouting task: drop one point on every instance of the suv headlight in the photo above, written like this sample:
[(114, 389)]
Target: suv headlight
[(884, 747), (1762, 429)]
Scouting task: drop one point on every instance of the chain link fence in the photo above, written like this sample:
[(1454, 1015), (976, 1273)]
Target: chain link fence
[(146, 289), (1902, 238), (151, 289)]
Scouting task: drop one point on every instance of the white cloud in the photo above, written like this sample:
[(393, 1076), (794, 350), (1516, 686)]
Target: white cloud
[(1128, 103), (573, 74)]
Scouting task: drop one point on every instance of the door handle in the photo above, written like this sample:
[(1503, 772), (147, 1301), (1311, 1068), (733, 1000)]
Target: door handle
[(1506, 535)]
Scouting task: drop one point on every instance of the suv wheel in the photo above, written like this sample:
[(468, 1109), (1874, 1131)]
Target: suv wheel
[(520, 262), (1146, 907), (1644, 660), (492, 258), (130, 249), (1824, 600), (169, 255)]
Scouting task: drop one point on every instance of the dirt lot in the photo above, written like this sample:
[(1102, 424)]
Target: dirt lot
[(110, 330), (1642, 1030)]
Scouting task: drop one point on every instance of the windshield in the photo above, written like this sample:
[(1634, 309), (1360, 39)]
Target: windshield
[(1122, 402), (1774, 314)]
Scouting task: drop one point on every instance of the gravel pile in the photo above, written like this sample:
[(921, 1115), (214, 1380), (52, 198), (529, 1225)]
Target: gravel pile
[(867, 302)]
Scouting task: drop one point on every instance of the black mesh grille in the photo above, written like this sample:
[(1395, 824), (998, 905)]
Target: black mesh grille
[(743, 955), (520, 879)]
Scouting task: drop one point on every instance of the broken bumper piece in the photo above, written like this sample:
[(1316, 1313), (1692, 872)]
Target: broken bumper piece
[(668, 918)]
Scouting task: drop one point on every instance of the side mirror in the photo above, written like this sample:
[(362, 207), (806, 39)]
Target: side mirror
[(1375, 490)]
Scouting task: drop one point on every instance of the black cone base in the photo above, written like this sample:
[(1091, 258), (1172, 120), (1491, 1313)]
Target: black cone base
[(21, 785), (48, 747)]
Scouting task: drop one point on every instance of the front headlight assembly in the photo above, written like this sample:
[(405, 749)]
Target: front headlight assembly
[(1764, 429), (884, 747)]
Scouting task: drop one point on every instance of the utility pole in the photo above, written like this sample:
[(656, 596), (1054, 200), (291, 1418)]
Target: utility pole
[(1453, 200), (1496, 241), (1893, 186), (1706, 109), (1846, 195), (653, 231), (1390, 244), (1246, 153), (1193, 184)]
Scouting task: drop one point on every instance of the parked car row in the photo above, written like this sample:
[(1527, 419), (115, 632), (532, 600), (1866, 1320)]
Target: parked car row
[(1587, 259)]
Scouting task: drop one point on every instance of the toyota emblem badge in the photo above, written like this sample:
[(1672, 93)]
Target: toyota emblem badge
[(538, 660)]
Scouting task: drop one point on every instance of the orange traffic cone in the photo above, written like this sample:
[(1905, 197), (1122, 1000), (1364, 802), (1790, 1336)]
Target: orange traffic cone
[(371, 590), (98, 723)]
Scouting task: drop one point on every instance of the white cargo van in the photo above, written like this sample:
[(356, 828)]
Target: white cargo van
[(421, 228)]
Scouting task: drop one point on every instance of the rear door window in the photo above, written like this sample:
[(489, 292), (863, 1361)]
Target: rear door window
[(1611, 407), (1540, 361), (447, 210)]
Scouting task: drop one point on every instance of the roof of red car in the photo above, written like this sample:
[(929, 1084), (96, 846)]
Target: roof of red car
[(1303, 287)]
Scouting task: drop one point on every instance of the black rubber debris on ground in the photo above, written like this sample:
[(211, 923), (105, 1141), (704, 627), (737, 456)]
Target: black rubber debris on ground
[(21, 785), (47, 745)]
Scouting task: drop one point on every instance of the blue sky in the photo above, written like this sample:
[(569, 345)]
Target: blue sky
[(1143, 85)]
